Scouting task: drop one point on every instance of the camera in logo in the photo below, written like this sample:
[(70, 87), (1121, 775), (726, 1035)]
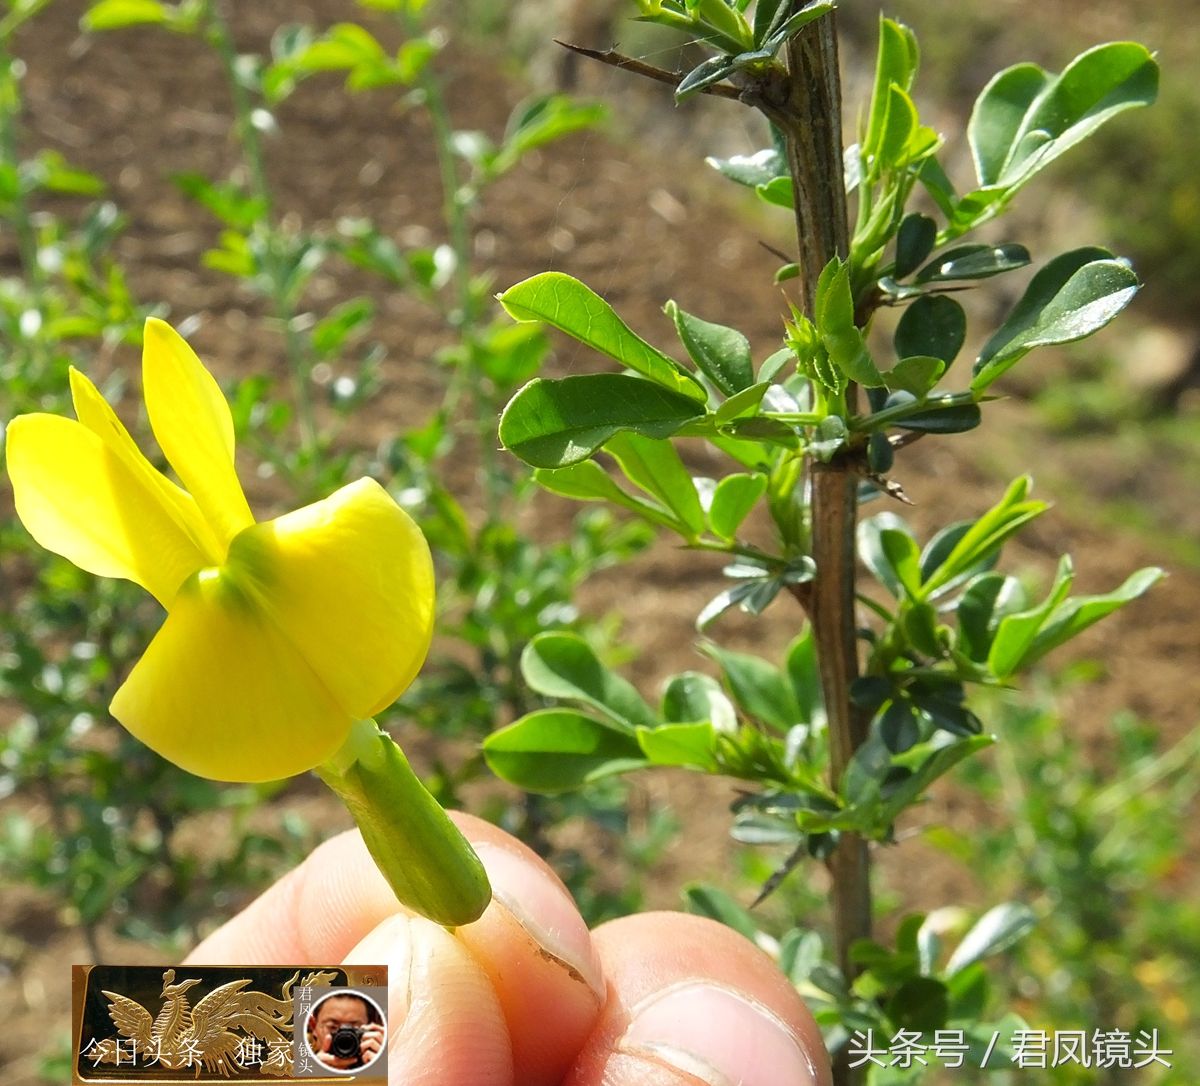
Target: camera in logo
[(346, 1030)]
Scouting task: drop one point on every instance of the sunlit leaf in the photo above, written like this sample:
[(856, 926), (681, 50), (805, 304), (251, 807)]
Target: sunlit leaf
[(1073, 296), (563, 665), (555, 750), (553, 423), (566, 304), (721, 354)]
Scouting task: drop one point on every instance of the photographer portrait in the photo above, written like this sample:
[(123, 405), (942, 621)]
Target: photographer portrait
[(345, 1031)]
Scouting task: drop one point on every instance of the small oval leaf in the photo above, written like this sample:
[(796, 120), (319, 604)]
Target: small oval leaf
[(933, 325), (555, 750), (553, 423)]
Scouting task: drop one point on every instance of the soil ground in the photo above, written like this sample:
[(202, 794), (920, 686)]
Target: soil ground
[(637, 223)]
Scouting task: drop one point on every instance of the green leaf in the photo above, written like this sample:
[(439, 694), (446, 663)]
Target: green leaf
[(510, 354), (656, 468), (742, 404), (760, 689), (985, 537), (229, 202), (330, 333), (898, 726), (760, 168), (718, 905), (353, 49), (946, 710), (871, 550), (693, 696), (880, 453), (588, 481), (680, 745), (973, 262), (566, 304), (920, 1004), (553, 423), (773, 364), (916, 374), (801, 667), (555, 750), (914, 242), (760, 430), (563, 665), (1026, 117), (899, 126), (933, 326), (998, 116), (778, 192), (946, 754), (895, 66), (732, 501), (998, 929), (834, 306), (413, 57), (1016, 633), (899, 550), (828, 438), (114, 14), (952, 419), (1070, 298), (55, 174), (705, 74), (939, 186), (768, 14), (920, 626), (541, 121), (794, 23), (986, 601), (941, 546), (721, 354), (1075, 615)]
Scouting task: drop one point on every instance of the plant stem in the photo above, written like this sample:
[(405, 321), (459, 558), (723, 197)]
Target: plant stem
[(298, 359), (808, 112)]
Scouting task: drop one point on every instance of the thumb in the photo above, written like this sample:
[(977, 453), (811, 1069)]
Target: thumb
[(445, 1022)]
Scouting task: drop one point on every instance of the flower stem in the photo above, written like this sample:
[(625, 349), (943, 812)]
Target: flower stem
[(429, 865)]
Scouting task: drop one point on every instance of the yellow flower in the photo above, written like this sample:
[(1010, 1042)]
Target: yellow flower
[(279, 635)]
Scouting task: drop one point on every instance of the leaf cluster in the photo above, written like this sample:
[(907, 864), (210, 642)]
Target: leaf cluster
[(621, 438)]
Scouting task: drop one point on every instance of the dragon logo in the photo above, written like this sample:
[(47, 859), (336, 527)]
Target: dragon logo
[(230, 1030)]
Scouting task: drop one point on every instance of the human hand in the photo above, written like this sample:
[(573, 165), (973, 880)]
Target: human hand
[(526, 996)]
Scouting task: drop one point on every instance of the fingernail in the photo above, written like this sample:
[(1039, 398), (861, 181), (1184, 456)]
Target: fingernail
[(545, 911), (718, 1037)]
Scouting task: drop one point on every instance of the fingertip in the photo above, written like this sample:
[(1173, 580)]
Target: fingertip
[(445, 1024), (536, 948), (693, 1001)]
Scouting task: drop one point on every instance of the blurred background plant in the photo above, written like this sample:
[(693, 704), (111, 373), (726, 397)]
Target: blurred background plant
[(106, 828)]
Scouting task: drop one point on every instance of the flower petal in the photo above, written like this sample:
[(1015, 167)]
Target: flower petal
[(94, 412), (194, 428), (80, 499), (222, 693), (349, 580)]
